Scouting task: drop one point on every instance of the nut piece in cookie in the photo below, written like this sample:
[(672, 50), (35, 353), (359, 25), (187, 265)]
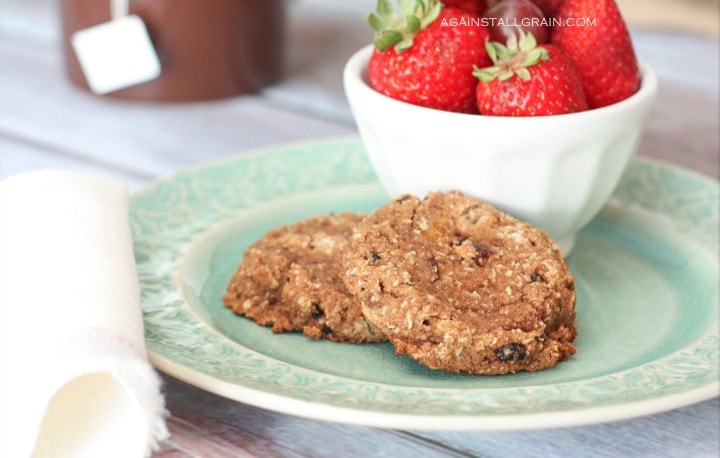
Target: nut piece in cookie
[(461, 286), (289, 280)]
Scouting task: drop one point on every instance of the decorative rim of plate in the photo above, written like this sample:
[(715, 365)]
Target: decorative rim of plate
[(170, 215)]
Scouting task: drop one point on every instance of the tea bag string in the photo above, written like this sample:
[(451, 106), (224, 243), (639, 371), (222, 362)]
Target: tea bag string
[(119, 9)]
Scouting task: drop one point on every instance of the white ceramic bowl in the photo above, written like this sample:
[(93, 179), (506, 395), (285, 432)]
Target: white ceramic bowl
[(555, 172)]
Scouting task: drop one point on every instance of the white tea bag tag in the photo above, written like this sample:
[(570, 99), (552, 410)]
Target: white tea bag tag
[(116, 54)]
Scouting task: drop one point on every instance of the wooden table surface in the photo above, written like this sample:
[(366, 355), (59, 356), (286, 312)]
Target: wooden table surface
[(45, 122)]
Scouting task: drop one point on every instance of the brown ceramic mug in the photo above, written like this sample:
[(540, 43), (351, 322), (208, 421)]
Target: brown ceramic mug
[(208, 49)]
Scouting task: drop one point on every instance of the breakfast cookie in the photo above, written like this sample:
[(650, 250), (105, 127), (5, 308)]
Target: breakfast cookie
[(458, 285), (289, 279)]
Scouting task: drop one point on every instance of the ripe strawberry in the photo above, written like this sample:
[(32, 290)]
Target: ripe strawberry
[(528, 80), (601, 50), (474, 6), (426, 56)]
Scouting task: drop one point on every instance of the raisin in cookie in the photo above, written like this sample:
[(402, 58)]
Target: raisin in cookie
[(458, 285), (289, 279)]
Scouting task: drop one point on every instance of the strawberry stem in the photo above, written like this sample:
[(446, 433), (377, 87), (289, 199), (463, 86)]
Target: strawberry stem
[(513, 58)]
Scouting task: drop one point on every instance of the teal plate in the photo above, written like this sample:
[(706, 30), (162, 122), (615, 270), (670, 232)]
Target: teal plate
[(647, 302)]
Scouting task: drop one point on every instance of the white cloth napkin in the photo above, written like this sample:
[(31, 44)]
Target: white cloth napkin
[(74, 375)]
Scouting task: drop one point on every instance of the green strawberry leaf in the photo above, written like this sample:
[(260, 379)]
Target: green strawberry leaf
[(432, 14), (377, 24), (384, 8), (512, 43), (534, 56), (486, 74), (491, 51), (407, 7), (404, 45), (523, 73), (387, 38), (413, 24), (527, 41)]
